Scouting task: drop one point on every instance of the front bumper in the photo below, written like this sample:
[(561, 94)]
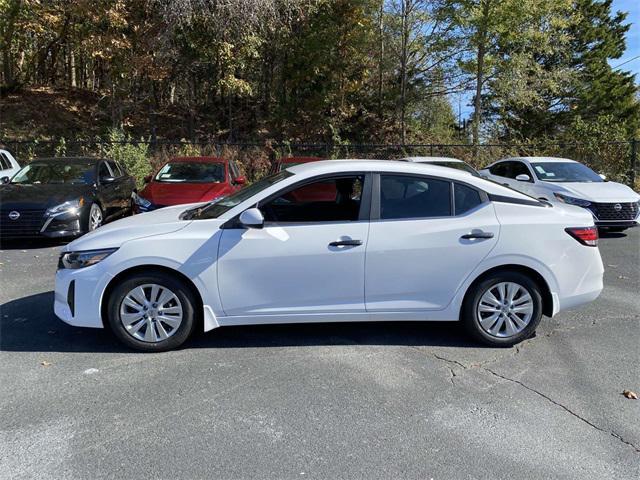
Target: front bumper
[(78, 295), (615, 214), (38, 224)]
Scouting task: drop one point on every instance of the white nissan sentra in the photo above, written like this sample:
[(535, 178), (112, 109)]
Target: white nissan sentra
[(335, 241)]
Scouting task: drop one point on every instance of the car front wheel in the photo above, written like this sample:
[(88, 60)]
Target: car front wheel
[(152, 312), (503, 309)]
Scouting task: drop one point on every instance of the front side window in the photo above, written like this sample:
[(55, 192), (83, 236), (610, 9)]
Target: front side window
[(224, 204), (104, 171), (191, 172), (327, 200), (565, 172), (56, 173), (500, 169), (115, 168), (519, 168), (414, 197)]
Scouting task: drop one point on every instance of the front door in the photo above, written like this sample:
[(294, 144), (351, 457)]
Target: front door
[(309, 257), (417, 255)]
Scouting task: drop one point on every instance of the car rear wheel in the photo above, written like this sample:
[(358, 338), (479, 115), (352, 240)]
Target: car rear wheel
[(503, 309), (95, 217), (152, 312)]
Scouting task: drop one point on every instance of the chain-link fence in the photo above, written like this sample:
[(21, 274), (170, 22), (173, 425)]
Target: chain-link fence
[(616, 159)]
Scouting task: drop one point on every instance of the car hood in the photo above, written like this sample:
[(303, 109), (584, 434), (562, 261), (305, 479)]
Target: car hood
[(113, 235), (166, 193), (15, 196), (596, 191)]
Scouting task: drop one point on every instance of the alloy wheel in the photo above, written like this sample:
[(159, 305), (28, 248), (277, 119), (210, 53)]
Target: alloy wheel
[(95, 217), (151, 313), (505, 309)]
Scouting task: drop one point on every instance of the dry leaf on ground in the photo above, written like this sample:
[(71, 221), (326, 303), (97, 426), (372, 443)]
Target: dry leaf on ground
[(44, 363), (629, 394)]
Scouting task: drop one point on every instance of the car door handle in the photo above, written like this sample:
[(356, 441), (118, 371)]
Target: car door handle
[(477, 234), (346, 243)]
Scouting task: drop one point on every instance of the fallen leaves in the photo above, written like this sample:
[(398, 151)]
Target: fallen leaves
[(44, 363), (630, 395)]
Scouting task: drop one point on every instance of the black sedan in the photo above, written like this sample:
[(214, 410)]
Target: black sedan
[(63, 197)]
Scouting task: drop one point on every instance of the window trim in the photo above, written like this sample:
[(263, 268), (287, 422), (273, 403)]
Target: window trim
[(377, 197), (363, 215)]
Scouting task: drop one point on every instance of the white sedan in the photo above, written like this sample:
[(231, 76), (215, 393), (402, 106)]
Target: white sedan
[(444, 162), (335, 241), (613, 205)]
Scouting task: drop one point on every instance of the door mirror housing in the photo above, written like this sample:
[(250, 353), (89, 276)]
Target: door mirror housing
[(5, 180), (252, 218), (602, 176), (240, 180), (523, 177), (107, 180), (147, 179)]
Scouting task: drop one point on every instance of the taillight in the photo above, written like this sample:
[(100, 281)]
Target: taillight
[(585, 235)]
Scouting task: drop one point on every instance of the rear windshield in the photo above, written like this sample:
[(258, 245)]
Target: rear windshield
[(56, 173), (458, 166), (191, 172), (565, 172)]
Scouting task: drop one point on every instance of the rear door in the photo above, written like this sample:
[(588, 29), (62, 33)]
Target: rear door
[(309, 257), (426, 236)]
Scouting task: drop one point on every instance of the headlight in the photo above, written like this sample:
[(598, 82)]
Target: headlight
[(72, 206), (143, 202), (74, 260), (572, 200)]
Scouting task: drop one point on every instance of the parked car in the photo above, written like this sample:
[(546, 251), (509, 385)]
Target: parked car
[(397, 242), (560, 180), (8, 166), (444, 162), (319, 192), (189, 180), (64, 197)]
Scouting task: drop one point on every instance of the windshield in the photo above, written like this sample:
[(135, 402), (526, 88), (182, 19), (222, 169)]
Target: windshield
[(222, 205), (458, 166), (56, 173), (565, 172), (191, 172)]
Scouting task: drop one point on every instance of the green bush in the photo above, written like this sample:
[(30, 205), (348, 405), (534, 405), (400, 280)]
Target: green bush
[(134, 155)]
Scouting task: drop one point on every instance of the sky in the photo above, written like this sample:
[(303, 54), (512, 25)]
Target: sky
[(461, 104)]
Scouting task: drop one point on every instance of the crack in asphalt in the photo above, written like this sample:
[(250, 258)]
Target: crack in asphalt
[(565, 408)]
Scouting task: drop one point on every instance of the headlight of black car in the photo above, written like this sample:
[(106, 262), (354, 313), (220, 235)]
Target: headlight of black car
[(72, 206), (75, 260)]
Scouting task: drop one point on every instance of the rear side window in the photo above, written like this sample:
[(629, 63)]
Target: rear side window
[(5, 164), (466, 198), (414, 197)]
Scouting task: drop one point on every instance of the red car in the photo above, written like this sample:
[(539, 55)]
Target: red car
[(189, 180), (319, 192)]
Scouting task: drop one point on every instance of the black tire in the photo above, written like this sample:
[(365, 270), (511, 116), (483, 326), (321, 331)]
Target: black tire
[(472, 299), (178, 287)]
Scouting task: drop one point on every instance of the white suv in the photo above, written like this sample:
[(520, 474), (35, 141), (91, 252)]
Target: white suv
[(8, 165), (613, 205)]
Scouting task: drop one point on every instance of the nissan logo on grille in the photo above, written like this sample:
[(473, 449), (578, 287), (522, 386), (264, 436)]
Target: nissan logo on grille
[(14, 215), (617, 207)]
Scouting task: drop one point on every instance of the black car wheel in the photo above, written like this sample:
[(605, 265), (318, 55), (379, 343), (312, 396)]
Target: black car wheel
[(95, 217)]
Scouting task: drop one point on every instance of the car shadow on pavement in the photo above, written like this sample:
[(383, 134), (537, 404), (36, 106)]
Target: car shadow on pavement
[(31, 243), (28, 324)]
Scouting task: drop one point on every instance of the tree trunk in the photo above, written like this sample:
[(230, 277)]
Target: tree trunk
[(403, 73), (381, 56), (481, 52)]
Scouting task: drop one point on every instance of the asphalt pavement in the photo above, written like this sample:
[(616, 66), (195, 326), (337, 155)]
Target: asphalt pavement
[(370, 400)]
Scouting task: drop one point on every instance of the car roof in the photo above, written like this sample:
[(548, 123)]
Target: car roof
[(202, 159), (300, 159), (431, 159), (541, 159), (76, 160), (394, 166)]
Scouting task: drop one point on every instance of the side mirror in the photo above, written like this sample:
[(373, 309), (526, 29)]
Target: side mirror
[(252, 218), (5, 179), (107, 180), (240, 180), (523, 177), (147, 179), (602, 176)]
